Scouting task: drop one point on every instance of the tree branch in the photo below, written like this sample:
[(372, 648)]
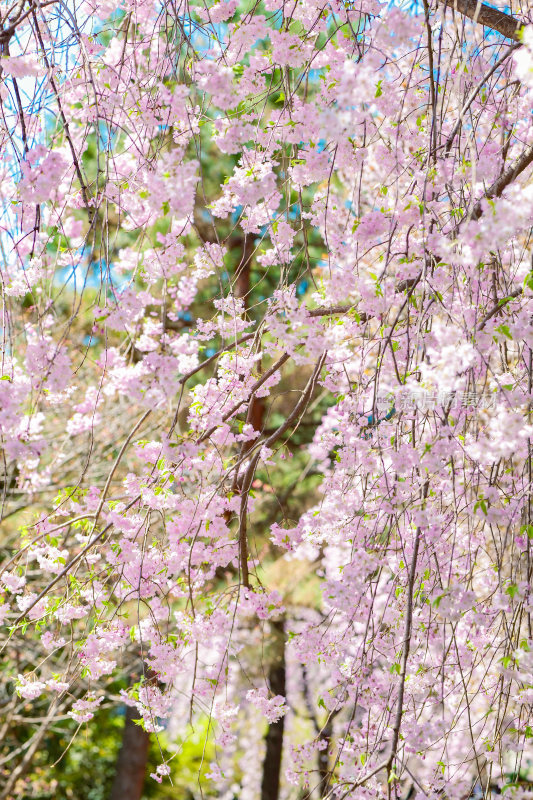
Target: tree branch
[(485, 15), (505, 179), (501, 303)]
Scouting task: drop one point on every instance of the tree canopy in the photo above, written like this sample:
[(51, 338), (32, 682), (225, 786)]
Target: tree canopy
[(266, 399)]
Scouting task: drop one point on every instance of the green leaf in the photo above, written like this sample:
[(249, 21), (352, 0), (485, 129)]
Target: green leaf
[(505, 300), (512, 785), (505, 330)]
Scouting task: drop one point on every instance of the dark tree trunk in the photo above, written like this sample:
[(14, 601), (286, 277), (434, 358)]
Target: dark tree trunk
[(274, 737), (241, 281), (132, 760), (276, 675), (324, 735), (242, 287), (256, 410)]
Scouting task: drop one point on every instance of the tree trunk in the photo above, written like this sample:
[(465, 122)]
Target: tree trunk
[(274, 737), (323, 758), (131, 762)]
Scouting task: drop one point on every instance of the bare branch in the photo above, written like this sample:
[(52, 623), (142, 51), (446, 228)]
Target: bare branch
[(498, 187), (505, 24)]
